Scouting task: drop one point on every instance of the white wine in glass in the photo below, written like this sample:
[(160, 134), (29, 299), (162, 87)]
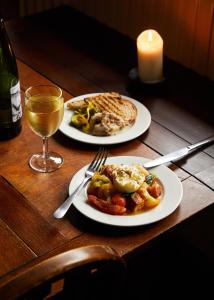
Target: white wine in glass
[(44, 109)]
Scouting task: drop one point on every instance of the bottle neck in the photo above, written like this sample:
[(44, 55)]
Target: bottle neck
[(7, 56)]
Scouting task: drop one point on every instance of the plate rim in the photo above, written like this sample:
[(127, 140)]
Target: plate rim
[(161, 168), (109, 140)]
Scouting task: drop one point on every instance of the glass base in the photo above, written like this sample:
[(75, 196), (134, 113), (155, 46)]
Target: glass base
[(52, 162)]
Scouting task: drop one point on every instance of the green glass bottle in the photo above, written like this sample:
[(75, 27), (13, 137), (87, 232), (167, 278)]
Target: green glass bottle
[(10, 100)]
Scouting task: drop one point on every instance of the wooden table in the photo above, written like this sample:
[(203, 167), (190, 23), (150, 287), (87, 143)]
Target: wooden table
[(83, 56)]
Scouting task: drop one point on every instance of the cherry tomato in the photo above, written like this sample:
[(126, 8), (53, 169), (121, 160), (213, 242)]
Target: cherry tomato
[(106, 206), (154, 190), (118, 199)]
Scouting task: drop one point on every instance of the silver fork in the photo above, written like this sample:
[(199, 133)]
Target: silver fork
[(97, 162)]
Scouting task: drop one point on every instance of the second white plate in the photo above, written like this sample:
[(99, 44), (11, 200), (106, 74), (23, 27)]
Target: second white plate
[(141, 124)]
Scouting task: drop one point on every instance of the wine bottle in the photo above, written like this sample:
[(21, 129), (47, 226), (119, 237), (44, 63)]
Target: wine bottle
[(10, 100)]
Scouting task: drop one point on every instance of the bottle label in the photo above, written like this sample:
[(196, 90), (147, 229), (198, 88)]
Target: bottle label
[(16, 102)]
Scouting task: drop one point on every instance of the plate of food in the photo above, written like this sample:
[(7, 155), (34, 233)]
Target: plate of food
[(104, 118), (123, 193)]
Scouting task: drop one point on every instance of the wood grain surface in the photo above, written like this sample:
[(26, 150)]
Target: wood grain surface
[(81, 61)]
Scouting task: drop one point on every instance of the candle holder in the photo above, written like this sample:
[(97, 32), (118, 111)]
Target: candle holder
[(133, 75), (136, 86)]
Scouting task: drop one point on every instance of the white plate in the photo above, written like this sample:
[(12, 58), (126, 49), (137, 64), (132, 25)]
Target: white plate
[(173, 193), (141, 124)]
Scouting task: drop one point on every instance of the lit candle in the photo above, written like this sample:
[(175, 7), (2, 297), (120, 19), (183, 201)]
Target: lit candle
[(150, 56)]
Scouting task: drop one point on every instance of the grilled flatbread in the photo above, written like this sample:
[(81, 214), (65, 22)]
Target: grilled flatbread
[(111, 103)]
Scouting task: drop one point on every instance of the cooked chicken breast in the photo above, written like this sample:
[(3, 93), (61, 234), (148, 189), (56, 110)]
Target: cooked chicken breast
[(106, 123)]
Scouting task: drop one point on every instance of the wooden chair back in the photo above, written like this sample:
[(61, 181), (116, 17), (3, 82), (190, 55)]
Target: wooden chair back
[(90, 272)]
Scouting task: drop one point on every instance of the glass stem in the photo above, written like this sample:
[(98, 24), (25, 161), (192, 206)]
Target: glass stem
[(45, 148)]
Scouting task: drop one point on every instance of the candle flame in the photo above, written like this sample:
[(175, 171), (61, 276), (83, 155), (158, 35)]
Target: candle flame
[(150, 36)]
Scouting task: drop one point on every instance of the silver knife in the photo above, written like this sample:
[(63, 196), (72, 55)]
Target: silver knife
[(177, 154)]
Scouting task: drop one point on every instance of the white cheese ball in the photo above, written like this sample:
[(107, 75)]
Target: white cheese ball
[(128, 179)]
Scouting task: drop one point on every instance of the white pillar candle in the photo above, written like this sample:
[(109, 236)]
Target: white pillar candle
[(150, 56)]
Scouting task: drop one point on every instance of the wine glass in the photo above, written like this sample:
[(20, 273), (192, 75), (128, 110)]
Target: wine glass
[(44, 109)]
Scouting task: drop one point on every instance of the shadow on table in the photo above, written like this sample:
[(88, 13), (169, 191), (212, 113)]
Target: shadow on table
[(175, 265)]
